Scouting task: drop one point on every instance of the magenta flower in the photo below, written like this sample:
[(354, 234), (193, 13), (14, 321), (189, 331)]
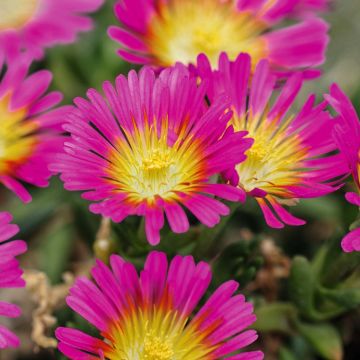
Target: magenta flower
[(293, 153), (29, 130), (151, 150), (150, 316), (33, 25), (347, 137), (162, 33), (10, 275)]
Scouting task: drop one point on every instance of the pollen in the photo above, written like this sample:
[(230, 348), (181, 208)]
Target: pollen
[(14, 14), (156, 348)]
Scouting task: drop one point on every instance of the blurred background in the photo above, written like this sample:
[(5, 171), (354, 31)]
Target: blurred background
[(306, 292)]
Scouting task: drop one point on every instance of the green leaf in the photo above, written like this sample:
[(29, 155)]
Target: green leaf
[(346, 298), (302, 286), (285, 354), (55, 250), (324, 338), (275, 317)]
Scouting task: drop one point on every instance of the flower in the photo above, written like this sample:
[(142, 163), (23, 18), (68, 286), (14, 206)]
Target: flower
[(347, 137), (33, 25), (10, 274), (150, 316), (293, 155), (152, 149), (162, 33), (29, 130)]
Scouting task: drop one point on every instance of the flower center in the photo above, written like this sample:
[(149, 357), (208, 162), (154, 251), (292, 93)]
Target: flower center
[(156, 348), (272, 160), (17, 138), (156, 169), (156, 334), (155, 172), (16, 13), (182, 29), (145, 166)]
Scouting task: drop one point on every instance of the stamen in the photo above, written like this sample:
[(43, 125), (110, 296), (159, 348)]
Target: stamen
[(271, 160), (156, 348)]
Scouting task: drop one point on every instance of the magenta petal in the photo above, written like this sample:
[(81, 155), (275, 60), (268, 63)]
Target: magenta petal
[(177, 218), (7, 338), (300, 45), (351, 242), (270, 218), (353, 198)]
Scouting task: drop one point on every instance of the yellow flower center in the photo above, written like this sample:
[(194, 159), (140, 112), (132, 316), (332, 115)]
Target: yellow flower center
[(17, 138), (144, 165), (157, 172), (156, 334), (16, 13), (182, 29), (156, 348), (273, 160)]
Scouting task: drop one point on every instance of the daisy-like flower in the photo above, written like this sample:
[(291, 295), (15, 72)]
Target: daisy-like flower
[(29, 130), (33, 25), (347, 137), (150, 316), (162, 33), (152, 147), (293, 153), (10, 274)]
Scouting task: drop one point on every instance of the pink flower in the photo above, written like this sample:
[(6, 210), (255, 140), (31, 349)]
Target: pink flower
[(151, 316), (150, 147), (347, 137), (29, 130), (162, 33), (293, 153), (10, 274), (33, 25)]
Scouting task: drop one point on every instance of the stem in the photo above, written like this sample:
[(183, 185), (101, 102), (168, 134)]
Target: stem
[(103, 245)]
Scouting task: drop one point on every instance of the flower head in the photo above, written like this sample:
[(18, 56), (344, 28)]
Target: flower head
[(293, 153), (165, 32), (347, 137), (151, 147), (10, 274), (150, 316), (29, 130), (32, 25)]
